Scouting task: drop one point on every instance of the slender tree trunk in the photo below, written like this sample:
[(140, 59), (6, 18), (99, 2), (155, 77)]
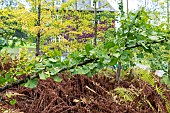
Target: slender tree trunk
[(118, 71), (122, 10), (168, 13), (95, 22), (119, 68), (39, 32), (169, 70), (168, 29), (127, 6), (76, 5), (76, 16)]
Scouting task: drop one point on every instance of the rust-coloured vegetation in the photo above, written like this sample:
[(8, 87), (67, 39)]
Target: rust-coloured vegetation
[(80, 94)]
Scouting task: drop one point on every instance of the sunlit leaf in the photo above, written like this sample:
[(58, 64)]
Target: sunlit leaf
[(56, 78), (13, 101), (88, 47), (31, 83)]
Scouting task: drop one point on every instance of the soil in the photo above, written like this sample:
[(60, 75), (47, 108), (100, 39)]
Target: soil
[(81, 94)]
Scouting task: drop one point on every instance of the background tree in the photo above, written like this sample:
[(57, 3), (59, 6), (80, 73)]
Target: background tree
[(10, 24), (79, 25)]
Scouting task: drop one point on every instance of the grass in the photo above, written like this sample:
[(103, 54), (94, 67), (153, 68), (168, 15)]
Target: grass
[(15, 50), (18, 45)]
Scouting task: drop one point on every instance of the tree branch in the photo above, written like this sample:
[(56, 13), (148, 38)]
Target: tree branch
[(140, 45), (19, 82), (7, 86)]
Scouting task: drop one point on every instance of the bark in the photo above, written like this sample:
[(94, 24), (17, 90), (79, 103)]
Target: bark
[(127, 6), (76, 16), (118, 71), (39, 32), (168, 30), (169, 70), (95, 23), (76, 5), (168, 14)]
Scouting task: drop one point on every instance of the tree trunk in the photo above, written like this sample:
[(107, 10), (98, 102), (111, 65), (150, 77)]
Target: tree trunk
[(127, 6), (76, 5), (168, 30), (39, 32), (119, 63), (76, 16), (168, 14), (169, 70), (95, 23), (118, 71)]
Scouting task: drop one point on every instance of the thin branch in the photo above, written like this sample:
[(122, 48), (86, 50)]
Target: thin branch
[(19, 82), (140, 45), (7, 86)]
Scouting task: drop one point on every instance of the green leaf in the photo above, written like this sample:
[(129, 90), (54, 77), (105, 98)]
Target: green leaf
[(92, 65), (140, 55), (1, 47), (125, 56), (56, 78), (113, 61), (39, 66), (167, 47), (19, 73), (116, 55), (148, 50), (3, 43), (89, 74), (52, 60), (83, 70), (54, 71), (57, 52), (22, 43), (144, 46), (165, 80), (14, 41), (131, 36), (43, 76), (29, 67), (57, 64), (13, 102), (100, 65), (8, 76), (106, 61), (94, 71), (2, 80), (31, 83), (131, 43), (88, 47), (108, 45)]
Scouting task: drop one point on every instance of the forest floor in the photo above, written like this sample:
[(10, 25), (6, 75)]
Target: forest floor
[(81, 94)]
